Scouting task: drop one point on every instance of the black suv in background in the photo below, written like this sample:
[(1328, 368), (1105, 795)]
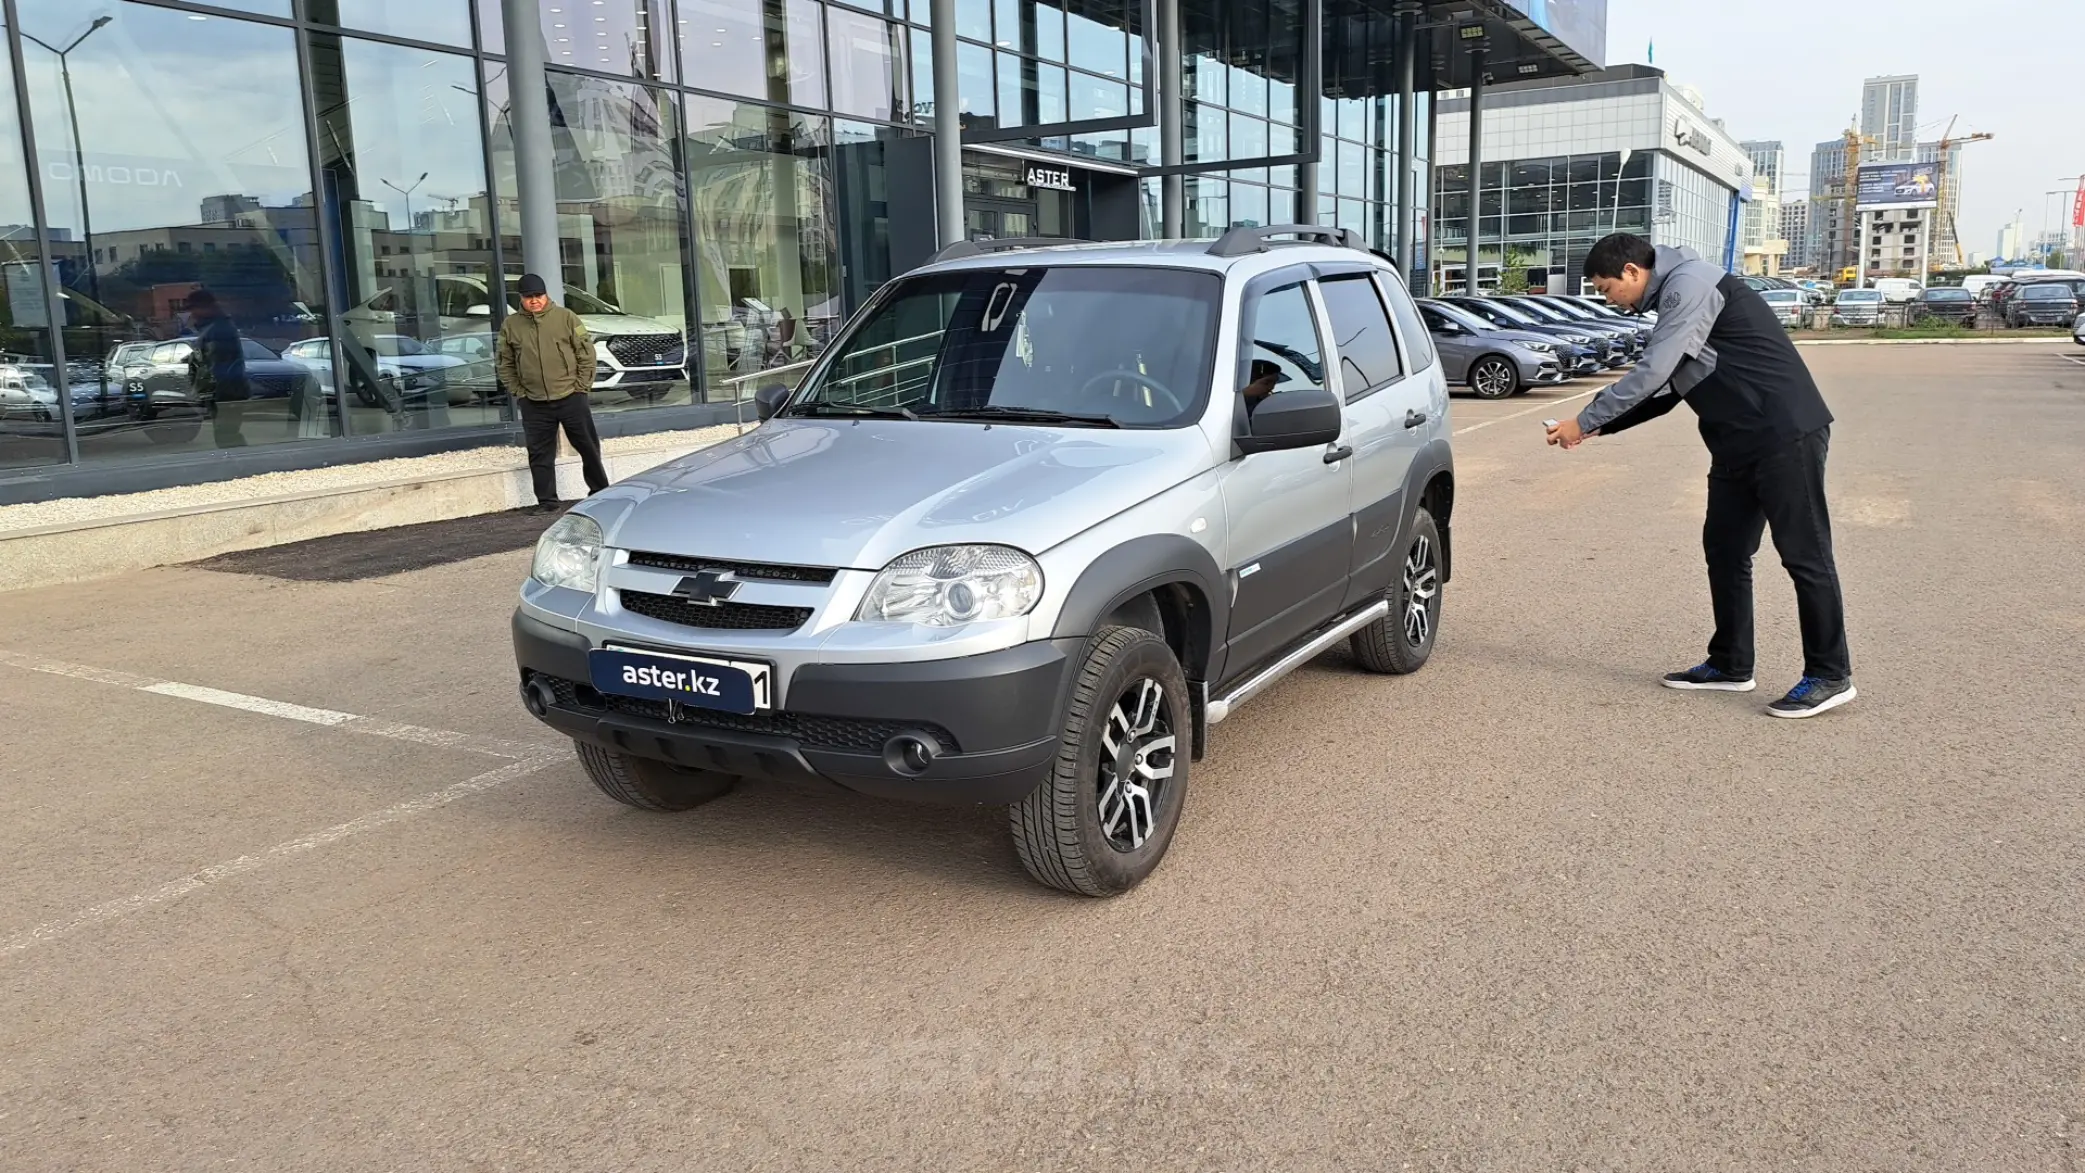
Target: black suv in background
[(2042, 303), (1944, 303)]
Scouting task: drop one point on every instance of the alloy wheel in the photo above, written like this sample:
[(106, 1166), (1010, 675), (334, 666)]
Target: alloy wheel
[(1136, 762), (1492, 379), (1422, 585)]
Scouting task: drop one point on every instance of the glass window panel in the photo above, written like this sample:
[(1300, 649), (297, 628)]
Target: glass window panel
[(1282, 104), (620, 234), (974, 19), (1208, 206), (168, 162), (1053, 94), (1205, 78), (861, 197), (1248, 91), (1093, 97), (1248, 141), (613, 36), (768, 49), (1006, 24), (1353, 170), (32, 423), (974, 80), (1284, 340), (403, 187), (1353, 215), (1361, 334), (492, 34), (760, 183), (1049, 30), (447, 22), (867, 77), (1017, 103), (1207, 132), (1248, 205), (1098, 46), (922, 76)]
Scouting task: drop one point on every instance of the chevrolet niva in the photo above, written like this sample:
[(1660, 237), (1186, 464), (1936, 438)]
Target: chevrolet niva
[(1036, 520)]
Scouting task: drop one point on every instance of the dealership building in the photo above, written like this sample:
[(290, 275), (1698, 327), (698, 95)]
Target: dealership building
[(716, 185)]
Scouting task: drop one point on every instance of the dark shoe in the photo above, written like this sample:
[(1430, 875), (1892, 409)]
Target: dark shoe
[(1702, 678), (548, 507), (1811, 696)]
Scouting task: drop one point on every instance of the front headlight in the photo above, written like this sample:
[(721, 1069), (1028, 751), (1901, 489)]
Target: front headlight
[(947, 586), (1539, 347), (569, 554)]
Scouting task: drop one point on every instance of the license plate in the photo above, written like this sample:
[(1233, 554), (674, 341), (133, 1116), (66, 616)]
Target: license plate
[(735, 686)]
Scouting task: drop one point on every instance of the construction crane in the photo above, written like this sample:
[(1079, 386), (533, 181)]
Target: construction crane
[(1947, 142), (1844, 192)]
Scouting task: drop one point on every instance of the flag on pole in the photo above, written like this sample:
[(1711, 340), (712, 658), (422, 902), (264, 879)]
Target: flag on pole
[(1650, 52)]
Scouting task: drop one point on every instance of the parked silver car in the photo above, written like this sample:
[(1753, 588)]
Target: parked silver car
[(1033, 522), (1492, 361), (1857, 307)]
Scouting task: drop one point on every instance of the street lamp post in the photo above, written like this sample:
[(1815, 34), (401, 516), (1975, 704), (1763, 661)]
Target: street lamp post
[(79, 154), (407, 192)]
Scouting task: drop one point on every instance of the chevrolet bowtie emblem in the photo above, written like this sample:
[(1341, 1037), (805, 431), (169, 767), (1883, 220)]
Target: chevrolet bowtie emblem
[(706, 587)]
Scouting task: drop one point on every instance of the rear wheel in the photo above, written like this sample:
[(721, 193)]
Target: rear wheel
[(1401, 641), (1494, 378), (1105, 815), (649, 785)]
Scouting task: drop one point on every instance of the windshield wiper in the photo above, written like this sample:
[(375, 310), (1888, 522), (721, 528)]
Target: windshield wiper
[(1024, 415), (856, 411)]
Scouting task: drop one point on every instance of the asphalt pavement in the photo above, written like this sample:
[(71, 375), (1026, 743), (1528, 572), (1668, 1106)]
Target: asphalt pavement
[(288, 880)]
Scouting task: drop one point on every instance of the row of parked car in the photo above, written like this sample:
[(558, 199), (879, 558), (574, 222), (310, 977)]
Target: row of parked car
[(1502, 345)]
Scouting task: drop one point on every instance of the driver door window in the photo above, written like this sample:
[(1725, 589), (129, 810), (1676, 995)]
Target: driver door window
[(1283, 353)]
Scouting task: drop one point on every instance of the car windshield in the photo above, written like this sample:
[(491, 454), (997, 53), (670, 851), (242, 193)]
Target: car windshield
[(1461, 317), (1781, 295), (1947, 295), (1569, 310), (251, 349), (1540, 312), (1860, 295), (1103, 345), (578, 301), (393, 345), (2050, 292), (1498, 312)]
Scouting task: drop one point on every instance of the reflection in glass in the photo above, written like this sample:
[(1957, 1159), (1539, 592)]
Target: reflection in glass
[(974, 80), (446, 22), (1098, 42), (403, 185), (613, 36), (760, 185), (31, 421), (974, 19), (492, 35), (180, 215), (868, 78), (1248, 205), (768, 49), (861, 187)]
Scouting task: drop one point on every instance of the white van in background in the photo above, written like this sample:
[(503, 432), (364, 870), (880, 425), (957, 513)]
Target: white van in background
[(1896, 290)]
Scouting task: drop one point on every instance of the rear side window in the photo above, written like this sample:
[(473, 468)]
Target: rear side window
[(1361, 332), (1418, 340)]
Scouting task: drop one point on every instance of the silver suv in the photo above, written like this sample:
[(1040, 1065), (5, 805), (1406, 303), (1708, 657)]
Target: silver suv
[(1036, 520)]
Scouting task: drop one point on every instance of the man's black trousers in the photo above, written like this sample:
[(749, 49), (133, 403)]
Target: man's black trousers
[(1783, 490), (539, 424)]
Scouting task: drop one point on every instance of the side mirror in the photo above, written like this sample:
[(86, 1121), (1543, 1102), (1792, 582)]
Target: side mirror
[(1293, 419), (769, 399)]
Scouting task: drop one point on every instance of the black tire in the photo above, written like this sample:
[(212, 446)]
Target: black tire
[(1492, 377), (1389, 645), (649, 785), (1059, 830)]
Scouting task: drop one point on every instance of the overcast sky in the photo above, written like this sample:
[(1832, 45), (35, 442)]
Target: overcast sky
[(1792, 70)]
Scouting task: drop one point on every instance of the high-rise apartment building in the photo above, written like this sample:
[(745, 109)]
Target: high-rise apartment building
[(1889, 116), (1767, 157), (2012, 241), (1830, 247), (1795, 229)]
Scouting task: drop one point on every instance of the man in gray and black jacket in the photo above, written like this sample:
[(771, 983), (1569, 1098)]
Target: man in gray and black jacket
[(1719, 348)]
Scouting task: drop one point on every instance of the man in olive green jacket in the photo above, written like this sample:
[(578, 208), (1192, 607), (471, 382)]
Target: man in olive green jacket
[(546, 361)]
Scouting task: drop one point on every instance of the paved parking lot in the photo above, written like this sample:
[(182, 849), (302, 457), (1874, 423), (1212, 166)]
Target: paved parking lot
[(288, 880)]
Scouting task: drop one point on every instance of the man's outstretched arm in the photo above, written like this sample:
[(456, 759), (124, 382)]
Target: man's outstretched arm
[(1688, 306)]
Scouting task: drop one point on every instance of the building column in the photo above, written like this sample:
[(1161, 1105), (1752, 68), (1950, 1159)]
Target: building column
[(535, 170), (1311, 90), (1406, 205), (1476, 168), (948, 128), (1172, 119)]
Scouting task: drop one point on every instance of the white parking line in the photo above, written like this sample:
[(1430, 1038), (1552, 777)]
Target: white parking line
[(331, 718), (194, 881), (1545, 406)]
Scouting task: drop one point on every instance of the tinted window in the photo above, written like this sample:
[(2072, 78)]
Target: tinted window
[(1283, 342), (1418, 341), (1947, 295), (1131, 344), (2046, 293), (1360, 333), (252, 349)]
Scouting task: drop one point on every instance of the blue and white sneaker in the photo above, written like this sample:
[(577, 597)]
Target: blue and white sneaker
[(1813, 695), (1704, 678)]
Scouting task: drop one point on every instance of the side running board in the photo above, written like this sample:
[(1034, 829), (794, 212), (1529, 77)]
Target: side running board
[(1254, 685)]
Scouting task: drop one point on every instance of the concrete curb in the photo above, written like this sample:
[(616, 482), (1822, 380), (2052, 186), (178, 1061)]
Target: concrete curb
[(100, 547), (1934, 341)]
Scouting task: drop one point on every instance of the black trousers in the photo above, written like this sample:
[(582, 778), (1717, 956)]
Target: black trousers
[(539, 424), (1783, 490)]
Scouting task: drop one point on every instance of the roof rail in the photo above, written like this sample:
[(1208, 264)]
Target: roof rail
[(978, 248), (1240, 242)]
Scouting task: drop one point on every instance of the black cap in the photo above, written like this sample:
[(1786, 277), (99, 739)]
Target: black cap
[(532, 286)]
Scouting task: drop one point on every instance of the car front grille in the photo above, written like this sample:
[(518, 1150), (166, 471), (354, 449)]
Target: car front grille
[(715, 616), (647, 350), (847, 734), (763, 571)]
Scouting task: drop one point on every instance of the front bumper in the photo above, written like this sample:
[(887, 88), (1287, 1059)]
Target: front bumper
[(993, 718)]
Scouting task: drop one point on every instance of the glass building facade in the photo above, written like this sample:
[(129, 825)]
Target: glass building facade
[(286, 227)]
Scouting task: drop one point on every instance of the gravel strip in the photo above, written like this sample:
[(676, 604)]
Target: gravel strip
[(346, 476)]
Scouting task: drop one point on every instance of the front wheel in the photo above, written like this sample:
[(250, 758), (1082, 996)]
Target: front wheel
[(649, 785), (1494, 378), (1105, 815), (1400, 642)]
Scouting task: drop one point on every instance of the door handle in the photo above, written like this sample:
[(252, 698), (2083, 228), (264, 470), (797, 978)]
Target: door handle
[(1414, 418), (1336, 454)]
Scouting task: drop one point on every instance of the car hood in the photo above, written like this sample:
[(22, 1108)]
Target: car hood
[(623, 325), (858, 494), (1519, 336)]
